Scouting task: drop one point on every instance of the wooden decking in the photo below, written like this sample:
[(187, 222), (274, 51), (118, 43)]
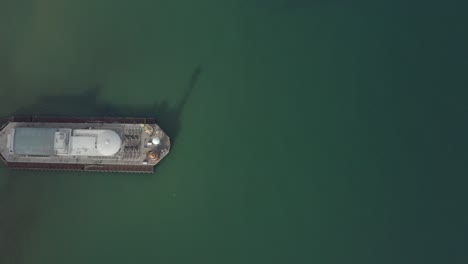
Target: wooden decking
[(81, 167), (61, 119)]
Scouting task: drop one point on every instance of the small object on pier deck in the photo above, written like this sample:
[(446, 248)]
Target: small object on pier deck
[(156, 141), (153, 155), (149, 130)]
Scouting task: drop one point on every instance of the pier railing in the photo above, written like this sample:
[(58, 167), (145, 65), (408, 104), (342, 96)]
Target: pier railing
[(81, 167), (61, 119)]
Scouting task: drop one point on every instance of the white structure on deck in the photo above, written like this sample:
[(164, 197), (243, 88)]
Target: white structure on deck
[(64, 142), (94, 142)]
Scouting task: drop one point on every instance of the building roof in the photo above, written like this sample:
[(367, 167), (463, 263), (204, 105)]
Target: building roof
[(95, 142), (34, 141), (108, 142)]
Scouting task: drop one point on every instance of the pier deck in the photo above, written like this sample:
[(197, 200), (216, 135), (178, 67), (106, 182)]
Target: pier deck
[(132, 156)]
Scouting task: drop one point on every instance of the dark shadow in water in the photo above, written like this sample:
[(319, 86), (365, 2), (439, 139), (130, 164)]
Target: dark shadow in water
[(19, 195), (87, 104)]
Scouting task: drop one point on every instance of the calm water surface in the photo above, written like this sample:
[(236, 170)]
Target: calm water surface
[(312, 131)]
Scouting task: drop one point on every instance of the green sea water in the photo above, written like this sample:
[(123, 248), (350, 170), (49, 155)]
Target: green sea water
[(304, 131)]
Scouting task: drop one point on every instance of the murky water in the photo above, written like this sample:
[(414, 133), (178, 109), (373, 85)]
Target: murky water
[(304, 131)]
